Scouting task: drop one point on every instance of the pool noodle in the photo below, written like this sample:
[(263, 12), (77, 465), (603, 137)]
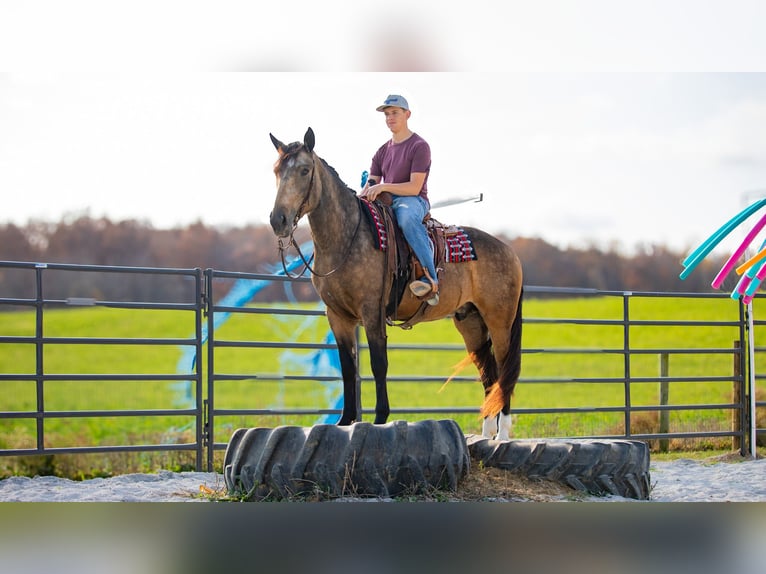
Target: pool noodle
[(745, 280), (738, 252), (737, 292), (694, 258), (751, 272), (747, 299), (725, 229), (759, 277), (756, 266), (751, 262), (753, 286)]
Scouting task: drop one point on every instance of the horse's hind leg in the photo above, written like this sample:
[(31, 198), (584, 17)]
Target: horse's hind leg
[(505, 334), (472, 327)]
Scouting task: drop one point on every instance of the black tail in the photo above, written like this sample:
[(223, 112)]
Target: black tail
[(511, 369)]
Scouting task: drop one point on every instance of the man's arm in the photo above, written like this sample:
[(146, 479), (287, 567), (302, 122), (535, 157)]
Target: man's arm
[(411, 187)]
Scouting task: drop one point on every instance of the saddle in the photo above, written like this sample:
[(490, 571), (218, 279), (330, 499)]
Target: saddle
[(451, 244)]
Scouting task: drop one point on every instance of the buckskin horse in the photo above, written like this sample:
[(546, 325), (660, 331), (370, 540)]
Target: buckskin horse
[(352, 276)]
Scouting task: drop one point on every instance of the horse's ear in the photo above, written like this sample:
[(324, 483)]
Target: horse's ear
[(308, 139), (277, 144)]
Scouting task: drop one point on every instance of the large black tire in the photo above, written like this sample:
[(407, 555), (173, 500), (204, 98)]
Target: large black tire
[(335, 461), (600, 467)]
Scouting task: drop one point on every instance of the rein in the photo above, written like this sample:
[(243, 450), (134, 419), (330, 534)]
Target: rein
[(291, 240)]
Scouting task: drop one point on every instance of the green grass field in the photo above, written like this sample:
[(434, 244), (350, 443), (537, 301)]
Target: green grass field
[(552, 352)]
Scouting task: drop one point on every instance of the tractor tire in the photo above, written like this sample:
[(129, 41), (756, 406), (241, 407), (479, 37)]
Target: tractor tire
[(360, 460), (599, 467)]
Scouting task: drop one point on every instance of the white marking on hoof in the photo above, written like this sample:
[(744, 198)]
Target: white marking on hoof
[(504, 423), (489, 427)]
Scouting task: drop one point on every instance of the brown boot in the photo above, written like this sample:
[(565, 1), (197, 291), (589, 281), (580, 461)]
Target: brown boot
[(422, 288)]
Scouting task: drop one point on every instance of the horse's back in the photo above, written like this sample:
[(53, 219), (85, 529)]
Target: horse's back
[(492, 251), (494, 279)]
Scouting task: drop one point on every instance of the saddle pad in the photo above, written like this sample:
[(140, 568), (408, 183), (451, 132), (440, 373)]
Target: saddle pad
[(459, 247), (378, 224)]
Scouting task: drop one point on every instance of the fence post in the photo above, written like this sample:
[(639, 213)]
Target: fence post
[(736, 399), (664, 395), (208, 405), (750, 421)]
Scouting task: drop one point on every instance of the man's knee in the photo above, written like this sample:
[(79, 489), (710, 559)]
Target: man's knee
[(407, 218)]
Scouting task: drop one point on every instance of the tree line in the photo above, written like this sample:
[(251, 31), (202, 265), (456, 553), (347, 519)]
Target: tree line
[(83, 239)]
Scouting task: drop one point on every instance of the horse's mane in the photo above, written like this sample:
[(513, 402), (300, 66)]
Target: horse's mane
[(294, 148), (334, 174)]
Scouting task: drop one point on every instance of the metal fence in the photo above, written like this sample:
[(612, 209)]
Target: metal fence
[(35, 358)]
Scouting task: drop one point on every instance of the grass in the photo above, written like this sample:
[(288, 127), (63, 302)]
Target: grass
[(591, 351)]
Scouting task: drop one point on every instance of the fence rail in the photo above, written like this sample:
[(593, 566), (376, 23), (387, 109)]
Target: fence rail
[(204, 301)]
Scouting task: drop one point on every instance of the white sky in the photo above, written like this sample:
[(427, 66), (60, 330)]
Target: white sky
[(601, 127)]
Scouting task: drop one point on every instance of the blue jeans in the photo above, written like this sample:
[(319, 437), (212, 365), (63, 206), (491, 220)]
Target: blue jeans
[(410, 211)]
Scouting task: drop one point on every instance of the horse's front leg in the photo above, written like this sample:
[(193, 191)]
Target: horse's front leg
[(345, 338), (376, 339)]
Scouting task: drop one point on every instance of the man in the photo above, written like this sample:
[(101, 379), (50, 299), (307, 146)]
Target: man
[(401, 167)]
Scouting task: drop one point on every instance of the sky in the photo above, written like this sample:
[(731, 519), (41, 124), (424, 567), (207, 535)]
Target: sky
[(602, 137)]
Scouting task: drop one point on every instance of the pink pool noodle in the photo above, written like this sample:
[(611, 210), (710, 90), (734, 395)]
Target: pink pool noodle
[(732, 261), (747, 299), (741, 287)]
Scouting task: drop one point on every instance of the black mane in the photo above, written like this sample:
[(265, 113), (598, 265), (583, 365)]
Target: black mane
[(334, 173)]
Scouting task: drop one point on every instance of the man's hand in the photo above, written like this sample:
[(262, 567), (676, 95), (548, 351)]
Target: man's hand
[(371, 192)]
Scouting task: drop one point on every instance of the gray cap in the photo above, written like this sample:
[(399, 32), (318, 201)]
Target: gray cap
[(394, 100)]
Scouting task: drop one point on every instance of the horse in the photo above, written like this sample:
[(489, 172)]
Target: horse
[(483, 296)]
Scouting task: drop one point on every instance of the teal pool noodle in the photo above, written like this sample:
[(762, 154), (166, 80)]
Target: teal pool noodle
[(697, 255)]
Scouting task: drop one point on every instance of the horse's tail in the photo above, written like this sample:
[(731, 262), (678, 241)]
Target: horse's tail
[(469, 359), (500, 392)]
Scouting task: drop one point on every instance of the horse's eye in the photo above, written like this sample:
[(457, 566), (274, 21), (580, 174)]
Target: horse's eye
[(305, 171)]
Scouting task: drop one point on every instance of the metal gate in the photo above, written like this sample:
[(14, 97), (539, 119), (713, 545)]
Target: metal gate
[(37, 348)]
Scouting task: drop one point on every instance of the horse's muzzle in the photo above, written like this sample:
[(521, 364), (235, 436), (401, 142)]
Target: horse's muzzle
[(279, 223)]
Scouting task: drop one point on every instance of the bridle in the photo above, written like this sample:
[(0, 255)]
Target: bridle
[(291, 240)]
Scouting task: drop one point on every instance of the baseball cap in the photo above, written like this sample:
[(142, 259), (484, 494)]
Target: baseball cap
[(394, 100)]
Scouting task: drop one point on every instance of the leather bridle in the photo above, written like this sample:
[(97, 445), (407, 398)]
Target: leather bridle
[(291, 240)]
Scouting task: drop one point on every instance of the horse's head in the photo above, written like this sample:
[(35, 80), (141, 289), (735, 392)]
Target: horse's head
[(295, 180)]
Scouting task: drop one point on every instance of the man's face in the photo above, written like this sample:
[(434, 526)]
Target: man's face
[(396, 118)]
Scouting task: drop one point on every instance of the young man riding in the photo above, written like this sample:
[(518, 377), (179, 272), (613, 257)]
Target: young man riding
[(401, 167)]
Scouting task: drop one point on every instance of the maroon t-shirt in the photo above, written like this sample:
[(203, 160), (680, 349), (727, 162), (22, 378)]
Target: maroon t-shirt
[(396, 161)]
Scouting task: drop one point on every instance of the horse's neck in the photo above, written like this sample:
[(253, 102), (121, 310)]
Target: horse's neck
[(335, 217)]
